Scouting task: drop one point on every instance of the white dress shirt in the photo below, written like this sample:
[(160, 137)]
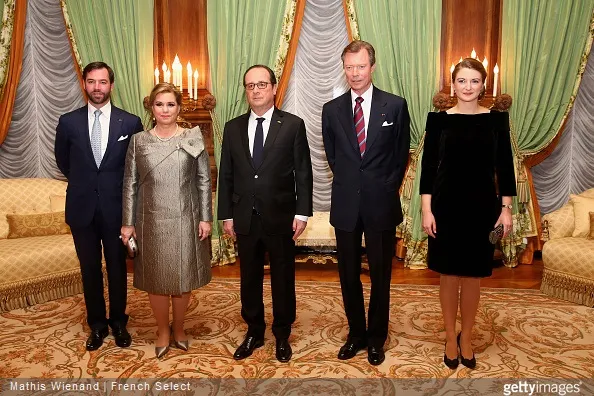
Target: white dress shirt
[(252, 123), (104, 119), (365, 105)]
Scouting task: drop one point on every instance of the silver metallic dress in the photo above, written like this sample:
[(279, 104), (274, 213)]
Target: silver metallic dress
[(166, 193)]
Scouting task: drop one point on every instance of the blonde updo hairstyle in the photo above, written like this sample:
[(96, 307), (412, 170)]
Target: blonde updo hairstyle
[(470, 63), (163, 88)]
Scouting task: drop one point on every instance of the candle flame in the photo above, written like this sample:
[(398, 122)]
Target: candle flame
[(496, 69), (452, 68), (189, 66), (473, 54), (485, 62), (164, 67)]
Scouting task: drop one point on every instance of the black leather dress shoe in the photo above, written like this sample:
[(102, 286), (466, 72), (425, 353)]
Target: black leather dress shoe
[(247, 347), (123, 339), (375, 355), (283, 350), (95, 340), (350, 349)]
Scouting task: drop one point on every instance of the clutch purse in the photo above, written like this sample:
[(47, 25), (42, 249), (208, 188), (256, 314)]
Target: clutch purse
[(496, 235), (132, 247)]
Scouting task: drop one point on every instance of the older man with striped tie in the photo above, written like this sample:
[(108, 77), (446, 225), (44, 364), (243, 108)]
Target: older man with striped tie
[(366, 134)]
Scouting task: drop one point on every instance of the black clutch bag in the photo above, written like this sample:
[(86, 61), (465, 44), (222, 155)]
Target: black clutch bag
[(496, 235)]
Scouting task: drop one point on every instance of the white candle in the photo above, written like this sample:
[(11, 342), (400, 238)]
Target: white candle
[(451, 81), (156, 75), (190, 92), (167, 76), (495, 74), (485, 64), (196, 84)]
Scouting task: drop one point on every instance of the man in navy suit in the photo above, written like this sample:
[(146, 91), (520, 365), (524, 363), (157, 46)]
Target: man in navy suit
[(90, 149), (366, 136)]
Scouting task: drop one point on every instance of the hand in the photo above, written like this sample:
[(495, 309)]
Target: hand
[(505, 218), (204, 228), (228, 228), (298, 227), (126, 232), (428, 222)]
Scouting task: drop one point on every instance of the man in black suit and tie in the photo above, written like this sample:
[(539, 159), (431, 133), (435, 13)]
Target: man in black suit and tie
[(265, 198), (90, 149), (366, 136)]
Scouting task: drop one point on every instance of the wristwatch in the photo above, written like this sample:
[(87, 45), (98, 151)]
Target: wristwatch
[(507, 206)]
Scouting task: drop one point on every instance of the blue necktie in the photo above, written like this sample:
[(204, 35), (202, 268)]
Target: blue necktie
[(96, 138), (258, 150)]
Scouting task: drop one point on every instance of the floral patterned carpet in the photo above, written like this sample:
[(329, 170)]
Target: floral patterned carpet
[(519, 334)]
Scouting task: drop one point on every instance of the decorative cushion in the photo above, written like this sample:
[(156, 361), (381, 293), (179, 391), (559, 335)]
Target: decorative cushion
[(581, 207), (591, 235), (26, 196), (34, 225), (57, 203), (561, 222)]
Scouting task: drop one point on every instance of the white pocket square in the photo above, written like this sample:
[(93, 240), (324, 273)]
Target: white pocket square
[(122, 138), (387, 124)]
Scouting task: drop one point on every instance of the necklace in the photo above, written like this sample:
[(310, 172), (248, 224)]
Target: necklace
[(168, 138)]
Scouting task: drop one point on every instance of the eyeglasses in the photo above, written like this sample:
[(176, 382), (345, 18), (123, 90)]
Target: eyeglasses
[(260, 85)]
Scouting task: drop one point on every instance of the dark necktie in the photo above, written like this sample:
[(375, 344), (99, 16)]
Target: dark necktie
[(258, 150), (360, 125)]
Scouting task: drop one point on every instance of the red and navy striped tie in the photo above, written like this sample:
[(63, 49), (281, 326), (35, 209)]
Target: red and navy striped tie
[(360, 125)]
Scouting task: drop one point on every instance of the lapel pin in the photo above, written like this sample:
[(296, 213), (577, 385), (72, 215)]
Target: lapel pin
[(383, 115), (120, 120), (279, 121)]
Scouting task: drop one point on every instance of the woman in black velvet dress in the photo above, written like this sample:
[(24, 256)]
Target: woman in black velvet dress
[(467, 184)]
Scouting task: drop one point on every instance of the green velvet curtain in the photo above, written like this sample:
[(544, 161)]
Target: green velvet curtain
[(543, 42), (407, 38), (240, 34), (119, 33)]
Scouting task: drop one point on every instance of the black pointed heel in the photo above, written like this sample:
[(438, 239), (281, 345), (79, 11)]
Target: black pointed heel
[(470, 363), (451, 363)]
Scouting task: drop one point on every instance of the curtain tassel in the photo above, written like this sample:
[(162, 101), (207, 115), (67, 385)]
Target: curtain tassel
[(409, 181)]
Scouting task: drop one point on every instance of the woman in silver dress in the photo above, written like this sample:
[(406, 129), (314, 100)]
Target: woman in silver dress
[(167, 207)]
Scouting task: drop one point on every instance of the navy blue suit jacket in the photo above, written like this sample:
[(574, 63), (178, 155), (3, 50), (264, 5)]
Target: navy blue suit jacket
[(89, 186), (367, 187)]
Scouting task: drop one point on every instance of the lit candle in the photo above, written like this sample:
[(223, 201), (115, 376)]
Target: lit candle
[(473, 54), (177, 69), (451, 81), (495, 74), (485, 64), (167, 76), (156, 75), (190, 92), (460, 60), (196, 84)]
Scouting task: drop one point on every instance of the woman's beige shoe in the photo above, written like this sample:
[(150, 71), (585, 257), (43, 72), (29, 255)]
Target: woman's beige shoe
[(183, 345), (161, 351)]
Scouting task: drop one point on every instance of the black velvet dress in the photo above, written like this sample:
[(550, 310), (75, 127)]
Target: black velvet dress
[(467, 166)]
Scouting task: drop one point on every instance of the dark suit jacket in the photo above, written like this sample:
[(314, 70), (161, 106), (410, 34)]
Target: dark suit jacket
[(89, 186), (280, 188), (367, 187)]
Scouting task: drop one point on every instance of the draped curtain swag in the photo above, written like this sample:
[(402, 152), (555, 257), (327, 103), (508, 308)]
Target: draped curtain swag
[(542, 61), (241, 34), (12, 39), (120, 33), (48, 87), (317, 77)]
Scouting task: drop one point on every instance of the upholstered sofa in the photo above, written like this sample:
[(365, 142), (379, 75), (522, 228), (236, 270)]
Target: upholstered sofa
[(38, 262), (568, 253)]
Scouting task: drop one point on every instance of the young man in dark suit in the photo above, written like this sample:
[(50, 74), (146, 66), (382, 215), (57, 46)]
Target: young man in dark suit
[(366, 136), (265, 198), (90, 149)]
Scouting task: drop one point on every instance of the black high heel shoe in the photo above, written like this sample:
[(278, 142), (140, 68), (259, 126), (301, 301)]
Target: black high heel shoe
[(451, 363), (470, 363)]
